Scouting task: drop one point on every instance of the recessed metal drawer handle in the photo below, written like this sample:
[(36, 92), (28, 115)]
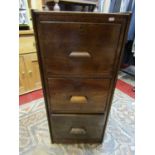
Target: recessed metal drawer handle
[(79, 54), (78, 131), (78, 99)]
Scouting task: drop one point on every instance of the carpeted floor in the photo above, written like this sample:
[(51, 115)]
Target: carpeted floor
[(119, 138)]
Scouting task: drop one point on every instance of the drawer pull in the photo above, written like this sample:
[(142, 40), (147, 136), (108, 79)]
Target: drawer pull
[(30, 72), (77, 54), (78, 131), (78, 99)]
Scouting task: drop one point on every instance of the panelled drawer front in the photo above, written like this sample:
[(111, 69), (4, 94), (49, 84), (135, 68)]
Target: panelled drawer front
[(79, 49), (78, 95), (77, 128), (26, 44)]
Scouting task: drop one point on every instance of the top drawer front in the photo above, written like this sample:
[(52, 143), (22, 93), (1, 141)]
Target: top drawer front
[(74, 48)]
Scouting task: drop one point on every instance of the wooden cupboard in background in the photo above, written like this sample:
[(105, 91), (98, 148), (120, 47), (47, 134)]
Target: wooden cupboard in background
[(29, 75)]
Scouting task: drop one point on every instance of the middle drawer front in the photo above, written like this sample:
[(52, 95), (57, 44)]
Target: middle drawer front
[(78, 95)]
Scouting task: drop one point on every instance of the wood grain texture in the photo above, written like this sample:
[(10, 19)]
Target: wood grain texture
[(64, 124), (26, 44), (29, 77), (23, 83), (26, 32), (94, 90), (101, 46), (57, 35), (33, 71)]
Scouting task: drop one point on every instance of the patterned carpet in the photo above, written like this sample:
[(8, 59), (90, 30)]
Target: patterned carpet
[(119, 138)]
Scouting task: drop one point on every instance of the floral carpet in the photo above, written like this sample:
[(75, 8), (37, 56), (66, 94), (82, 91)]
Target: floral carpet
[(119, 136)]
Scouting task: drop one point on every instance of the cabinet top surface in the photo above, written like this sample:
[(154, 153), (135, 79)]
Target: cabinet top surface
[(77, 1), (67, 16), (82, 13)]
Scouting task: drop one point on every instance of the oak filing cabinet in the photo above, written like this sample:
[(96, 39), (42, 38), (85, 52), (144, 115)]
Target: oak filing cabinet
[(79, 56)]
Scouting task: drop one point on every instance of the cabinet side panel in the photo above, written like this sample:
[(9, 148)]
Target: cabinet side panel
[(124, 32), (42, 72)]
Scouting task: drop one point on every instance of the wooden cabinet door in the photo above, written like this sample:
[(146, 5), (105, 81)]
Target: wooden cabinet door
[(23, 82), (33, 73), (26, 44)]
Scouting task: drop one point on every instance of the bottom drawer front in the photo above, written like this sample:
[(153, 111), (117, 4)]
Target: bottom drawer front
[(77, 128)]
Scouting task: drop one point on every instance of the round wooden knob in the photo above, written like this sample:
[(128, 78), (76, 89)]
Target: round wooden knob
[(30, 72)]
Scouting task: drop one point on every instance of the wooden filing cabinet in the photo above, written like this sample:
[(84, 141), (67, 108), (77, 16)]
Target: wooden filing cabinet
[(79, 57), (29, 75)]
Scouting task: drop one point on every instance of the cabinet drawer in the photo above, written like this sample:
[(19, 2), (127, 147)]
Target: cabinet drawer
[(82, 49), (26, 44), (78, 95), (77, 128)]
